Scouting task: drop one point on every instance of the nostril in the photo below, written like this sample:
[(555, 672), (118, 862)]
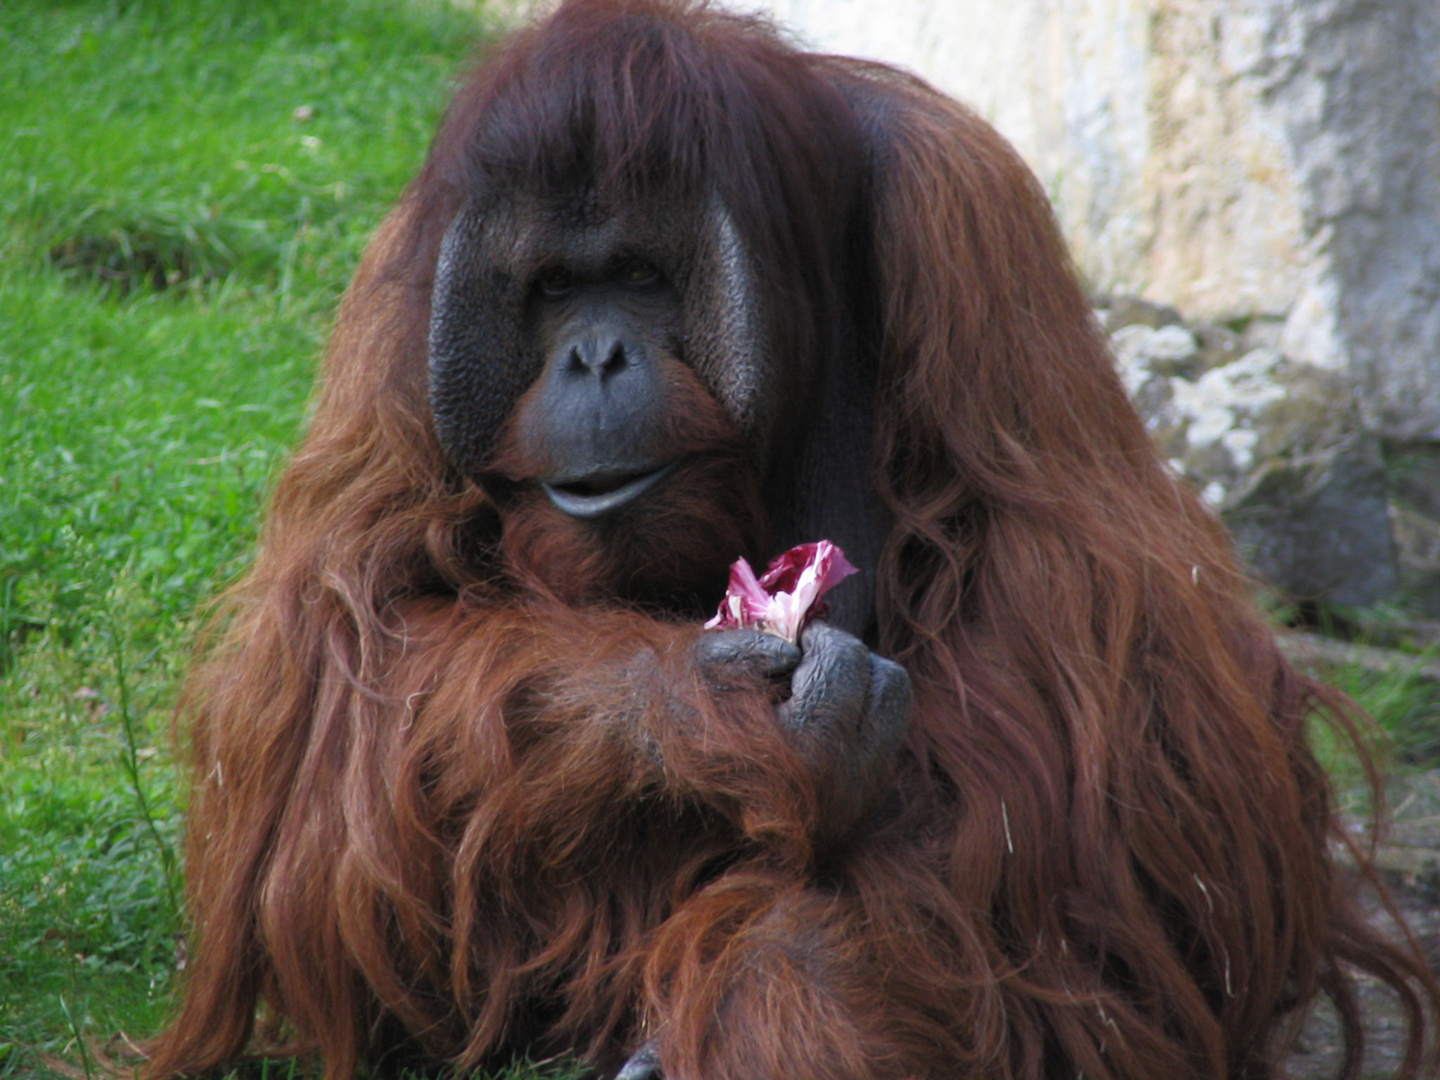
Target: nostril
[(597, 358), (615, 360)]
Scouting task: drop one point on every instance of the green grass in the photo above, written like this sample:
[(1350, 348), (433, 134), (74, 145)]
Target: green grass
[(1404, 738), (184, 190), (1405, 706)]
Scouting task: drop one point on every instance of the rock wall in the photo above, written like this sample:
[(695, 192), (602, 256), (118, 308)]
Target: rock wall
[(1278, 448), (1236, 158)]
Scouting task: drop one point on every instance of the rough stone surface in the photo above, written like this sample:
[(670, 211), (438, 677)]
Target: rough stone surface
[(1323, 508), (1277, 447), (1274, 158), (1413, 473), (1317, 525)]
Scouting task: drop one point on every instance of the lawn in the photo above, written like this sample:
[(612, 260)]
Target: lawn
[(185, 187)]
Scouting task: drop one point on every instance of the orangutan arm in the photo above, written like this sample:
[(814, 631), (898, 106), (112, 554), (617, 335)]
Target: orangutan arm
[(592, 710)]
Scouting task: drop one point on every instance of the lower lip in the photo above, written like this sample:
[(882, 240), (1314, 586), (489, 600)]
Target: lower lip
[(593, 506)]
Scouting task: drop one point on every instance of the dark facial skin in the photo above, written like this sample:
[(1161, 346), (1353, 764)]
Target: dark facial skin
[(535, 290), (601, 406)]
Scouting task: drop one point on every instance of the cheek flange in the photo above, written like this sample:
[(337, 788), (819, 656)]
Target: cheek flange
[(726, 320), (479, 366)]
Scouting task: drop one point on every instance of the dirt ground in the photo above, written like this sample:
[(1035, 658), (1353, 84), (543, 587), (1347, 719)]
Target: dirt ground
[(1410, 863)]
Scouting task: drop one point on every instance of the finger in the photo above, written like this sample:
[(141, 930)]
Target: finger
[(826, 648), (891, 700), (832, 678), (764, 653)]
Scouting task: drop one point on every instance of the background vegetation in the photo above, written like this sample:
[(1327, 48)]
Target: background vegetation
[(185, 188)]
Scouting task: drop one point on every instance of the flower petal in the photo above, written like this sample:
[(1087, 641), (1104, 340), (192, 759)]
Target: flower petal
[(782, 599)]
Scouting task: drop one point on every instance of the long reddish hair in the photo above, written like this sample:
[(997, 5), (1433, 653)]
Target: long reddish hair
[(1110, 853)]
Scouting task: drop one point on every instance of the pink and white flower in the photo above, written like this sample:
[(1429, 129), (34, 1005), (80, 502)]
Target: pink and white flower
[(787, 595)]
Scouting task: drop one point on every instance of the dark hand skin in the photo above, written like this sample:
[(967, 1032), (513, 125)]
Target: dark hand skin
[(847, 711), (731, 657)]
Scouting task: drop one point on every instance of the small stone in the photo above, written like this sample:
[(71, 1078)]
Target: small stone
[(1122, 311), (1172, 351), (1219, 345)]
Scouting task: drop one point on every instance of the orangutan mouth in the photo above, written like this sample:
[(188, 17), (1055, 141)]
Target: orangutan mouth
[(604, 490)]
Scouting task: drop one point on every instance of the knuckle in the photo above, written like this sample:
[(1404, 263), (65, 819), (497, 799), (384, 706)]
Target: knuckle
[(891, 690), (745, 649)]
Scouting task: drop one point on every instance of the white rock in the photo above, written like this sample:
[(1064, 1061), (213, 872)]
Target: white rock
[(1171, 343), (1212, 403)]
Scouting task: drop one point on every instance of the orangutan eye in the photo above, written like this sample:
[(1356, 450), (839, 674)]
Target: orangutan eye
[(638, 272), (556, 281)]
